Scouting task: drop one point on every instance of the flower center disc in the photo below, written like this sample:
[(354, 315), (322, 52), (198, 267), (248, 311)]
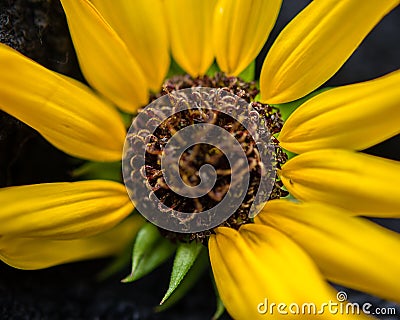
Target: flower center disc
[(199, 157)]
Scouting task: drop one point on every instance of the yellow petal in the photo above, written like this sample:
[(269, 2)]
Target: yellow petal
[(63, 210), (361, 183), (315, 44), (349, 250), (240, 30), (104, 58), (190, 27), (33, 253), (354, 117), (61, 109), (141, 25), (259, 263)]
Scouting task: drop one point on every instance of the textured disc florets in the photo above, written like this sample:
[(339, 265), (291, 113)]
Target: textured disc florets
[(196, 156)]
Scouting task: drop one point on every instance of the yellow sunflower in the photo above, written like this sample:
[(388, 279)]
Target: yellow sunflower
[(292, 249)]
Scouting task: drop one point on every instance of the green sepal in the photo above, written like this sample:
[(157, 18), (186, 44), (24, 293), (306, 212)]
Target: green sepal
[(290, 198), (189, 279), (174, 69), (92, 170), (249, 73), (126, 118), (286, 109), (117, 264), (290, 154), (186, 255), (219, 310), (213, 70), (149, 251), (220, 305)]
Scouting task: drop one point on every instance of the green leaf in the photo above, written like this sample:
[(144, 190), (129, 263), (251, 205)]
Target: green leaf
[(99, 170), (149, 251), (287, 109), (191, 277), (185, 256), (159, 254), (249, 73)]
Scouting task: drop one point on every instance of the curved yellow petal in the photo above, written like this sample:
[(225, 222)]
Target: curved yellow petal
[(240, 29), (64, 111), (259, 263), (190, 28), (361, 183), (63, 210), (315, 44), (33, 253), (349, 250), (354, 117), (141, 25), (104, 58)]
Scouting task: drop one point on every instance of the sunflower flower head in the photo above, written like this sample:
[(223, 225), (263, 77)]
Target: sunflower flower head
[(157, 53)]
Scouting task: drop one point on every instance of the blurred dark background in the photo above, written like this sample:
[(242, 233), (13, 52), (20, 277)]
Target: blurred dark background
[(38, 29)]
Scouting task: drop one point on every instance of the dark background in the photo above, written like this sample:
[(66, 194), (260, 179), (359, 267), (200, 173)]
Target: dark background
[(38, 29)]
